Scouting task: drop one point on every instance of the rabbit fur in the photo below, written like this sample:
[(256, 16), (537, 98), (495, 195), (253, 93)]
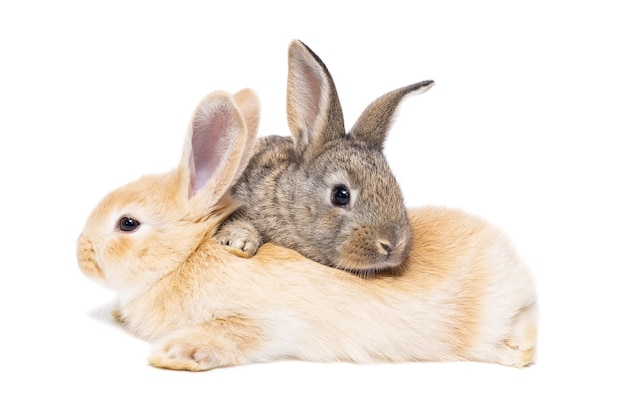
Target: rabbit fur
[(462, 294)]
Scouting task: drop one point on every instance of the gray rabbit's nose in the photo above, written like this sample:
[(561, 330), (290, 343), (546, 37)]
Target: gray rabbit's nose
[(386, 247)]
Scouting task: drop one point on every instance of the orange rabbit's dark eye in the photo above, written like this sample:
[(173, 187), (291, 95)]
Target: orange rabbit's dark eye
[(128, 224)]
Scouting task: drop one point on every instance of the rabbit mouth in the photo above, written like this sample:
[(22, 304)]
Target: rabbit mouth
[(372, 250), (374, 257)]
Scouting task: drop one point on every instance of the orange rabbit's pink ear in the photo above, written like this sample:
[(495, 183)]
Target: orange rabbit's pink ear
[(250, 107), (214, 146)]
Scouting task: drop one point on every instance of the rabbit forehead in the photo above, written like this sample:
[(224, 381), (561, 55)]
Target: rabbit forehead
[(145, 199), (355, 166)]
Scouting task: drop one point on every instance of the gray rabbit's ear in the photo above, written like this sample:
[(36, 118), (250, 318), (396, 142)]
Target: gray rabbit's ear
[(314, 113), (214, 148), (376, 120)]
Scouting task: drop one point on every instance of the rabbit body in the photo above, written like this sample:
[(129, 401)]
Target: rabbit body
[(463, 296), (462, 293), (328, 194)]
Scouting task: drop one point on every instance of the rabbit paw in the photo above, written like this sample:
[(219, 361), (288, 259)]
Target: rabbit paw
[(221, 342), (240, 238), (519, 349), (181, 355)]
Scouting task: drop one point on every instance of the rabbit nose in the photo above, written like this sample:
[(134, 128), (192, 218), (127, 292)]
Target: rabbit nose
[(85, 255), (386, 246)]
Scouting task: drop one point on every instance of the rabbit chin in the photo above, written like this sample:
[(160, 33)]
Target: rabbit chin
[(368, 263)]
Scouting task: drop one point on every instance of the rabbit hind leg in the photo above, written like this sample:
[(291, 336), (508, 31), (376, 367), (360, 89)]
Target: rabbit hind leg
[(519, 348)]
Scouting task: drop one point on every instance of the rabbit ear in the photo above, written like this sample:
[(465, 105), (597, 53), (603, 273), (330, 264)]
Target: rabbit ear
[(376, 120), (313, 110), (214, 147), (250, 106)]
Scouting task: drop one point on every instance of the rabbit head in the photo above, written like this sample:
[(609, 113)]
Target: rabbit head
[(145, 229)]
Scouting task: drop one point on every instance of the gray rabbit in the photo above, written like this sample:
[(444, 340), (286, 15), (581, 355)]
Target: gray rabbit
[(325, 193)]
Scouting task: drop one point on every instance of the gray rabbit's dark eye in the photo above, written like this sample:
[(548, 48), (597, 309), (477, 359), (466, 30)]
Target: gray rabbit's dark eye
[(128, 224), (340, 196)]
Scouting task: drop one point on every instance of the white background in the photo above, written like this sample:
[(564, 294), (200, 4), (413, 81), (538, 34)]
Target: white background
[(525, 127)]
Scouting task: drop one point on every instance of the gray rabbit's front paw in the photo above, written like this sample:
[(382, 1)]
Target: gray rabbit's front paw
[(241, 237)]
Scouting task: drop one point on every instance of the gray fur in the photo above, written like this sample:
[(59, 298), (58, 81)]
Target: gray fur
[(286, 187)]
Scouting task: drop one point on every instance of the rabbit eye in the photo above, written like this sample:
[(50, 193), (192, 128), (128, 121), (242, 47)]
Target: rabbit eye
[(340, 196), (128, 224)]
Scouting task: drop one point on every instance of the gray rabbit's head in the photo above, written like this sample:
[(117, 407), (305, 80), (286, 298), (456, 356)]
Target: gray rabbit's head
[(350, 210)]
